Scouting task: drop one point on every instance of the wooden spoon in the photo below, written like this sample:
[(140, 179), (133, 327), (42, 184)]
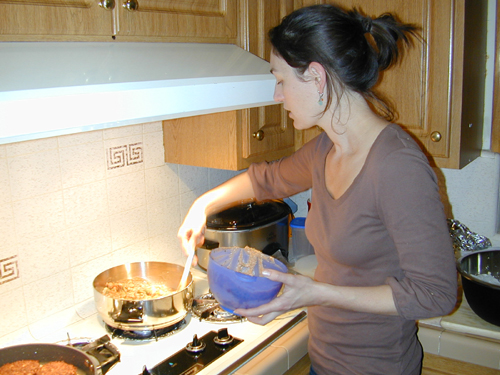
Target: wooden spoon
[(187, 267)]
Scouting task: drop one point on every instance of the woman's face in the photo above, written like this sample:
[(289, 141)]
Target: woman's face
[(298, 95)]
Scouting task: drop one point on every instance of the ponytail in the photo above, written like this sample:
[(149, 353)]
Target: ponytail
[(353, 48)]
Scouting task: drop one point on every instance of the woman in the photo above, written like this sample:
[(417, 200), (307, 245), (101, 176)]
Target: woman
[(378, 228)]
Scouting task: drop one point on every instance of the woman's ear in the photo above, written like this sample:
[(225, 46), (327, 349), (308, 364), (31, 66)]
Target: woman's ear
[(318, 74)]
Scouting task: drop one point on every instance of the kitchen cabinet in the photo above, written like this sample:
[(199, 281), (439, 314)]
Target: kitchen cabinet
[(438, 88), (211, 21), (235, 139)]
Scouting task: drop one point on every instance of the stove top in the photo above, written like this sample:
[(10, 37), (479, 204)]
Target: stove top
[(136, 356)]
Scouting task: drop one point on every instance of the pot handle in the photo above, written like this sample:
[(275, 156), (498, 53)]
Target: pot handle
[(130, 312), (273, 247)]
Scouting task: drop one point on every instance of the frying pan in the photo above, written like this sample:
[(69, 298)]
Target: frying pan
[(85, 364)]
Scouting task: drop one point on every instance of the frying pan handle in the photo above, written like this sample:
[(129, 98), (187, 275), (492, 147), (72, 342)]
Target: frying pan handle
[(104, 351)]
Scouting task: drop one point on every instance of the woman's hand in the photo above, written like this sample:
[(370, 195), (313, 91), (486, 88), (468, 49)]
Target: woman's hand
[(192, 231), (297, 292), (301, 291)]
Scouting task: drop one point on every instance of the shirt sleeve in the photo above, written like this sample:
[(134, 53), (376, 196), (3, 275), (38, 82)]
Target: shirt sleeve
[(411, 209), (284, 177)]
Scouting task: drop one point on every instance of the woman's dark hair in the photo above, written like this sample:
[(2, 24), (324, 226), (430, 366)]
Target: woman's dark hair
[(352, 47)]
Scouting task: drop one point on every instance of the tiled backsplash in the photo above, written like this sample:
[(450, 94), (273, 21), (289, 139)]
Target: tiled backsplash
[(73, 206)]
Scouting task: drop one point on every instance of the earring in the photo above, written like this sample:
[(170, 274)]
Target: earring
[(320, 101)]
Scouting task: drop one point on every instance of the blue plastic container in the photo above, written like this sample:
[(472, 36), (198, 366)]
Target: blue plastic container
[(234, 277)]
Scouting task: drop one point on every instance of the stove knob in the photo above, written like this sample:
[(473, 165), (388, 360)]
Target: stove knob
[(195, 346), (223, 337)]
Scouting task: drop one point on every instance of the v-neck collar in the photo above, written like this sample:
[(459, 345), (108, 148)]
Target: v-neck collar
[(355, 182)]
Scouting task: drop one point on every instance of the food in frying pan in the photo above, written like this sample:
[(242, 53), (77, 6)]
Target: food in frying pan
[(30, 367), (20, 368), (136, 288), (57, 368)]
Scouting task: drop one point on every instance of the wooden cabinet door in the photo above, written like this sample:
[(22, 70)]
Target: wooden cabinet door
[(22, 20), (214, 21), (268, 132), (437, 90)]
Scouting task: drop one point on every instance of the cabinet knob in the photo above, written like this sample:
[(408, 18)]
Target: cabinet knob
[(259, 135), (435, 136), (131, 5), (107, 4)]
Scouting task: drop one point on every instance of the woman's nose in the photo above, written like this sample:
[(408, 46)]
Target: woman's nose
[(278, 95)]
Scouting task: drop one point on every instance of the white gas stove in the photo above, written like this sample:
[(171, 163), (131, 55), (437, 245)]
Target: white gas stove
[(138, 357)]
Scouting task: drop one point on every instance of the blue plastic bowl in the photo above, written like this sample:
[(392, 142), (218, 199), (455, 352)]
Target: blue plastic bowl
[(235, 280)]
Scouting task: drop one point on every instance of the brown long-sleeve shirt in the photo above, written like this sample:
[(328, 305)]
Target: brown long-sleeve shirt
[(389, 227)]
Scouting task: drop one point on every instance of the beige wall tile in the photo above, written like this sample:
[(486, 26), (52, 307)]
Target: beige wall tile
[(34, 174), (123, 131), (126, 192), (5, 196), (85, 203), (124, 155), (31, 147), (7, 231), (89, 241), (82, 164), (44, 257), (84, 274), (10, 275), (161, 183), (79, 138), (43, 328), (39, 216), (192, 178), (166, 248), (154, 154), (14, 317), (129, 227), (163, 216), (48, 296), (152, 127), (136, 252)]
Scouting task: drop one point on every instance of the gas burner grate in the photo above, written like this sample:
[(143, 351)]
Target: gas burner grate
[(207, 309), (146, 335)]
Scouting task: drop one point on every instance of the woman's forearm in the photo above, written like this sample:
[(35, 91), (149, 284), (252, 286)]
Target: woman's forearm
[(376, 299), (234, 190)]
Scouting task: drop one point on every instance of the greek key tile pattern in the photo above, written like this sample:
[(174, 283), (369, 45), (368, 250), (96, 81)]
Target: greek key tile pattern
[(8, 269), (121, 156)]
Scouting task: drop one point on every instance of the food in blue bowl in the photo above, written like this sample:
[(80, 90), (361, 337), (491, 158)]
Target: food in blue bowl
[(235, 277)]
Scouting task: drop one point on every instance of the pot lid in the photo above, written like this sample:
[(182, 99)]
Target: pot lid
[(248, 215)]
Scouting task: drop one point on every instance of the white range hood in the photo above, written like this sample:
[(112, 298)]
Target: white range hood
[(56, 88)]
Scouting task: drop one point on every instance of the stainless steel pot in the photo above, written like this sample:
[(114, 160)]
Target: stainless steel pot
[(148, 314), (263, 226), (86, 365)]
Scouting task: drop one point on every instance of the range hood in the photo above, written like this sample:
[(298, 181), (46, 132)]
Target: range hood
[(56, 88)]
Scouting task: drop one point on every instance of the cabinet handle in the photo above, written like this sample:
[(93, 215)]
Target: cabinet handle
[(435, 136), (259, 135), (131, 5), (107, 4)]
